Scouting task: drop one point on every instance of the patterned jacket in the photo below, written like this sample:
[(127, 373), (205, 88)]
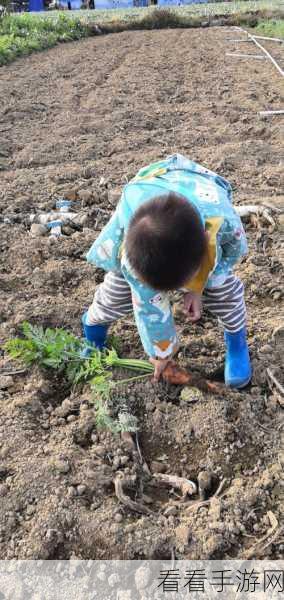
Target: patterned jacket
[(212, 196)]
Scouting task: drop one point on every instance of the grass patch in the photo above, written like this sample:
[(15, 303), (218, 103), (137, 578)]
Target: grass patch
[(25, 33), (22, 34), (271, 28)]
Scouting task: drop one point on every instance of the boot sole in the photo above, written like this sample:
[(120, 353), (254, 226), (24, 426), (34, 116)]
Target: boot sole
[(239, 386)]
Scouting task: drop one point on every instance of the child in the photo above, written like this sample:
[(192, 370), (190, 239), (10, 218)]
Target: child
[(174, 228)]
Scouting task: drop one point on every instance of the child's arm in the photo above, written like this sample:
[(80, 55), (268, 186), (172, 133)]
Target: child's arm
[(231, 246), (154, 319), (105, 251)]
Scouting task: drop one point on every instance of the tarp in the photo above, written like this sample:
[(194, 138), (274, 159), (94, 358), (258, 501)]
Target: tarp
[(75, 4), (113, 3), (180, 2), (36, 5)]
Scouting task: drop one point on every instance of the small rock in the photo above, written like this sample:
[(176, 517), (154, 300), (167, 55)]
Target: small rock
[(71, 491), (113, 197), (67, 230), (158, 467), (38, 230), (30, 509), (124, 460), (81, 489), (62, 466), (3, 489), (94, 438), (118, 518), (71, 418), (277, 296), (86, 196), (266, 349), (6, 381), (191, 394), (171, 511)]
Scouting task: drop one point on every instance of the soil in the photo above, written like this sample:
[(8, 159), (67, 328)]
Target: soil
[(78, 121)]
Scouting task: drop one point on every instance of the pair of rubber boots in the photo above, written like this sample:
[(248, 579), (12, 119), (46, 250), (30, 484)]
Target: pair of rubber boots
[(237, 361)]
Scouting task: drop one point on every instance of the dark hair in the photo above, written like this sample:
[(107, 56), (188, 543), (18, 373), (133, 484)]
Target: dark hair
[(166, 241)]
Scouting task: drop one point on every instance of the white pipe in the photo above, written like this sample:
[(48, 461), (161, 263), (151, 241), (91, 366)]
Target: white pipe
[(260, 37), (245, 55), (265, 113), (265, 52)]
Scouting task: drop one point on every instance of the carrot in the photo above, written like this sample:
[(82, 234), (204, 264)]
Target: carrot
[(175, 375)]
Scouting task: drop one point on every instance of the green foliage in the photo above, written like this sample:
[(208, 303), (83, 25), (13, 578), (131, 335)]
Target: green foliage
[(21, 34), (271, 28), (51, 348), (60, 350), (25, 33)]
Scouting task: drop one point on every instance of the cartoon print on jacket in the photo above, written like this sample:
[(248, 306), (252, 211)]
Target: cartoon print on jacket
[(211, 195)]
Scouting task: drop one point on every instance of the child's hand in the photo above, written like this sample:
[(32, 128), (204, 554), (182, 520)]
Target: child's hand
[(193, 305), (159, 364)]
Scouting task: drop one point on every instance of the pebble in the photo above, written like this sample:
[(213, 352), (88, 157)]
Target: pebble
[(71, 491), (62, 466), (30, 509), (277, 296), (71, 418), (191, 394), (81, 489), (116, 462), (266, 349), (118, 518), (6, 381), (94, 438), (170, 511), (124, 460), (38, 230)]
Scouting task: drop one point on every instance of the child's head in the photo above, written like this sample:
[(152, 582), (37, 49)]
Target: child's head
[(166, 241)]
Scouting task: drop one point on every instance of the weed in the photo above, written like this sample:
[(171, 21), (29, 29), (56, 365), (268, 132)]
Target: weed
[(60, 350)]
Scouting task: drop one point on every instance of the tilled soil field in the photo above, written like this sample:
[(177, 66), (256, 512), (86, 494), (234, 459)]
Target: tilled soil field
[(78, 121)]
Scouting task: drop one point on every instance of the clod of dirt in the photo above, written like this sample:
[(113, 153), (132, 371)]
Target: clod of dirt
[(204, 483), (38, 230), (191, 394), (62, 466), (6, 381)]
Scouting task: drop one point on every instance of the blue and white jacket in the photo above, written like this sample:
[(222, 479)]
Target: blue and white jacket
[(212, 196)]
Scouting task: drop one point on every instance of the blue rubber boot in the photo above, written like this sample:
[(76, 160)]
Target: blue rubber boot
[(94, 334), (238, 370)]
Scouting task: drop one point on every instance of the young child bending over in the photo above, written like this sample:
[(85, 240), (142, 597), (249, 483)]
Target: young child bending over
[(174, 229)]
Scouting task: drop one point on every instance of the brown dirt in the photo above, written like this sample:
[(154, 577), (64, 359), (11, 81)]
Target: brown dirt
[(98, 109)]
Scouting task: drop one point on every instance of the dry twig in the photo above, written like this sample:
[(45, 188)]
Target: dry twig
[(269, 538), (275, 381), (120, 483)]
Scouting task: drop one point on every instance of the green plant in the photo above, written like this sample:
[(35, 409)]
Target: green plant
[(60, 350)]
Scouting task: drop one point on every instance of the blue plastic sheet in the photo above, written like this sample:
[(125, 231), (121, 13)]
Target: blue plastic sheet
[(113, 4)]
